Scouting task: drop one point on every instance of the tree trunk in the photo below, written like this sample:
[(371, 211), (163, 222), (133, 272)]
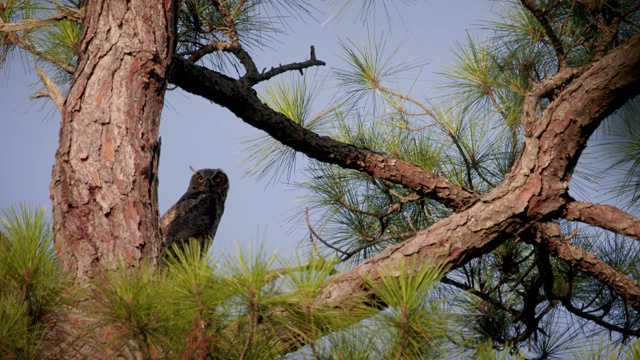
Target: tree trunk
[(104, 183)]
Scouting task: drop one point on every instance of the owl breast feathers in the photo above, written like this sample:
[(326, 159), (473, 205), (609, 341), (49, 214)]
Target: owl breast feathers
[(198, 212)]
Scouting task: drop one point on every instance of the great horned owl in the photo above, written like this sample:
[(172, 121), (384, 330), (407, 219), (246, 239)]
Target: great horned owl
[(198, 212)]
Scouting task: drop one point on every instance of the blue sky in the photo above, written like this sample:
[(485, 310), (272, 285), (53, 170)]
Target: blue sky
[(201, 134)]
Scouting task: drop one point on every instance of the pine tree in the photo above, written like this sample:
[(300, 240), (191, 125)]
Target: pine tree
[(474, 184)]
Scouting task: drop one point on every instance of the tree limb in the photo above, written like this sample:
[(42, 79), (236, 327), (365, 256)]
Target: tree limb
[(232, 32), (284, 68), (64, 13), (245, 104), (588, 263), (541, 16), (604, 216), (534, 191), (21, 43), (53, 91)]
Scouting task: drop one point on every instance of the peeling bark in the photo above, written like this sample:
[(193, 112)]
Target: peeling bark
[(104, 185)]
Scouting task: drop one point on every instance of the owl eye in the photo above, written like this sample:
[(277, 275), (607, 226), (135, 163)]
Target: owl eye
[(217, 178), (200, 178)]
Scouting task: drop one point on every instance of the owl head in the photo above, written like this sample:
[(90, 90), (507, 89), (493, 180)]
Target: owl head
[(209, 181)]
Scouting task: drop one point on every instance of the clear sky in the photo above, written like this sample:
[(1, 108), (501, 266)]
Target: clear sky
[(201, 134)]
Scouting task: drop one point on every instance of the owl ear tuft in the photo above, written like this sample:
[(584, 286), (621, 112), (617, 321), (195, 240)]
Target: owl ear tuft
[(192, 169)]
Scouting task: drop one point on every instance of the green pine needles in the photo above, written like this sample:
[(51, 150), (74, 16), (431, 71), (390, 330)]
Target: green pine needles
[(33, 291), (247, 305)]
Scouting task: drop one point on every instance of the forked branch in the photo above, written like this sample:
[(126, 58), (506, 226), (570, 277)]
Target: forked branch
[(266, 75)]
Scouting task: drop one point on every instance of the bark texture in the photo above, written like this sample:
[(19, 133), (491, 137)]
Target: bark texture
[(104, 186), (536, 188), (104, 180), (534, 192)]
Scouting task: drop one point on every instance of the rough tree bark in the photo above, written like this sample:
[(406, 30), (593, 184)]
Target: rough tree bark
[(104, 185), (533, 192), (104, 179)]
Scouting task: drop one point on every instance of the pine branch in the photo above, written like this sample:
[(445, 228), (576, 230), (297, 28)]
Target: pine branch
[(196, 55), (314, 234), (566, 302), (21, 43), (609, 28), (587, 262), (541, 16), (376, 241), (245, 103), (64, 13), (534, 191), (480, 294), (443, 125), (604, 216), (547, 274), (231, 31), (266, 75), (53, 91), (311, 265)]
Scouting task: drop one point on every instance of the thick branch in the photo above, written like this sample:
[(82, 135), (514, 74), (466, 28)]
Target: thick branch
[(533, 192), (545, 86), (588, 263), (604, 216), (245, 104), (595, 91)]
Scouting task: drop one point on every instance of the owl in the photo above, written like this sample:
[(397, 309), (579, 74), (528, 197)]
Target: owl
[(198, 212)]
